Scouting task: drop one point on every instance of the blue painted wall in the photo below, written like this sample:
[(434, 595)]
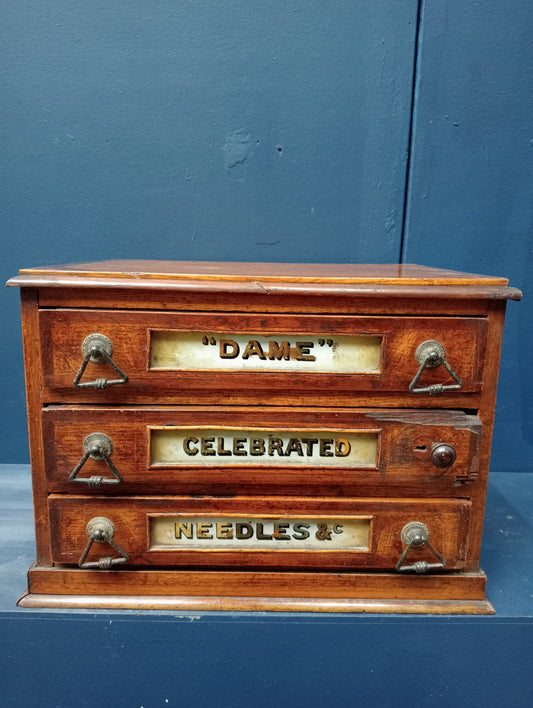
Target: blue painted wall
[(238, 130), (470, 194)]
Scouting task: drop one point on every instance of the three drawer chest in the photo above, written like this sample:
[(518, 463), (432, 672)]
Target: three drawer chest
[(243, 436)]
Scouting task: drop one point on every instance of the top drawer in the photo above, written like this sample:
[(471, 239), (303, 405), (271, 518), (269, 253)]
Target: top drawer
[(270, 359)]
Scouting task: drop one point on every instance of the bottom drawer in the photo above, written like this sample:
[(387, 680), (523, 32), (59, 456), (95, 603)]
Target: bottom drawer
[(260, 532)]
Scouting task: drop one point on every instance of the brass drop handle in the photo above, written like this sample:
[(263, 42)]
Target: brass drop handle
[(102, 530), (430, 355), (415, 534), (97, 446), (98, 349)]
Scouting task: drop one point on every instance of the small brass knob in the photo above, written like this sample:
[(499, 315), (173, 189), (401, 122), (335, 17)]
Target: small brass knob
[(443, 455)]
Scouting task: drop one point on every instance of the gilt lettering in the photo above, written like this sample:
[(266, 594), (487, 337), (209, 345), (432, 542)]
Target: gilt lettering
[(271, 350), (271, 447)]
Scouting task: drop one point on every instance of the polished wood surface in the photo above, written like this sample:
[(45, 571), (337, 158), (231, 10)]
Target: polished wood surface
[(188, 603), (285, 591), (128, 300), (447, 519), (63, 331), (206, 295), (34, 390), (392, 274), (289, 583), (403, 457)]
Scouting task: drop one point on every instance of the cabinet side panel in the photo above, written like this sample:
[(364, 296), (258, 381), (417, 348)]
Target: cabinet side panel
[(486, 414), (33, 373)]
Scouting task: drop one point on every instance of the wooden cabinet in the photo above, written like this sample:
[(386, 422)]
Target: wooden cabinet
[(260, 436)]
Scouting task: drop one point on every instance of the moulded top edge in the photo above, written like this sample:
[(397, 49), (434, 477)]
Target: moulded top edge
[(406, 291), (326, 273)]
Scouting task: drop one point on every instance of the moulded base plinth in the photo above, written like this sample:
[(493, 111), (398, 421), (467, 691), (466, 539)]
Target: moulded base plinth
[(282, 591), (257, 604)]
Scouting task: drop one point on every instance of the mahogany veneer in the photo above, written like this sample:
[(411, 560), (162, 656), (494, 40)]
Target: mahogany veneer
[(260, 436)]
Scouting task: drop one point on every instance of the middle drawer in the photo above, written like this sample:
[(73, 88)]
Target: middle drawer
[(228, 450)]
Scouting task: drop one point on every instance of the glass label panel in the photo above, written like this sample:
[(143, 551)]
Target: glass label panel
[(256, 352), (182, 532), (234, 447)]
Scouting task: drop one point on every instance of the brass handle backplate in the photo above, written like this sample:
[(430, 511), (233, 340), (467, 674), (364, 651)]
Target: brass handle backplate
[(415, 534), (102, 530), (97, 446), (98, 349), (430, 355)]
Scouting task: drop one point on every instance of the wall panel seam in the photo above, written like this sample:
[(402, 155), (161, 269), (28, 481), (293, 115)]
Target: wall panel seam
[(410, 137)]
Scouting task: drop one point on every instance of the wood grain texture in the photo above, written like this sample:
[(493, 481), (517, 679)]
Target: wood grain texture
[(283, 289), (402, 308), (63, 331), (245, 297), (34, 392), (356, 273), (403, 464), (486, 414), (447, 520), (256, 590), (469, 586), (187, 603)]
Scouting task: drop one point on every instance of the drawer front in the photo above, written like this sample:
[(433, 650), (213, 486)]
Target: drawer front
[(227, 450), (261, 532), (210, 358)]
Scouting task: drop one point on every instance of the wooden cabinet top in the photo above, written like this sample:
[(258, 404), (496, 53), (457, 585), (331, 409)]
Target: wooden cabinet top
[(247, 276)]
